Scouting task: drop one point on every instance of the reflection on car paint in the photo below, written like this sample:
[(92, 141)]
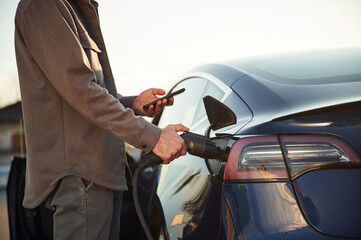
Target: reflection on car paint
[(191, 210), (186, 191), (228, 220), (273, 203)]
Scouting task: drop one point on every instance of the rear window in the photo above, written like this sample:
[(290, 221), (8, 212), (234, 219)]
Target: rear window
[(308, 68)]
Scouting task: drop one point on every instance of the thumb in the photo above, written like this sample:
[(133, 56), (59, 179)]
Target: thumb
[(179, 128), (158, 91)]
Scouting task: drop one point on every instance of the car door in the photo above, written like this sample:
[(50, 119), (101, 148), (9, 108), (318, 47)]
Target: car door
[(185, 184)]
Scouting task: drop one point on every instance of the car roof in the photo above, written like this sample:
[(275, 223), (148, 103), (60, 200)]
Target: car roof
[(281, 85), (307, 67)]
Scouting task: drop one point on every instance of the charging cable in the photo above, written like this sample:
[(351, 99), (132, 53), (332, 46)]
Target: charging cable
[(149, 159)]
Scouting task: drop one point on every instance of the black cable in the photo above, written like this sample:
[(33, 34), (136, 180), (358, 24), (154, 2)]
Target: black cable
[(149, 159)]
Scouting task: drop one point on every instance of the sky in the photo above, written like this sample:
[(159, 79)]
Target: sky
[(153, 43)]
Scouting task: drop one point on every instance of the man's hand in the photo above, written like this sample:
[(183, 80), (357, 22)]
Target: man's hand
[(148, 96), (170, 145)]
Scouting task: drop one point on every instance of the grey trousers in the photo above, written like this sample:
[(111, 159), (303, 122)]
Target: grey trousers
[(84, 210)]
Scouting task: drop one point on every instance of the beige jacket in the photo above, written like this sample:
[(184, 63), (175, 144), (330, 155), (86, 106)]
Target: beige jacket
[(75, 122)]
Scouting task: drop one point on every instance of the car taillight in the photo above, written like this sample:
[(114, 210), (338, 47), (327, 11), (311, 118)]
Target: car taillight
[(255, 159), (260, 159), (308, 152)]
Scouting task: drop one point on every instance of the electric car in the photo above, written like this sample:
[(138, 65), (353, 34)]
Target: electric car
[(290, 129)]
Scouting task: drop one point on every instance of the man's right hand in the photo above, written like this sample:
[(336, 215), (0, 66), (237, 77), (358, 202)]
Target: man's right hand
[(170, 145)]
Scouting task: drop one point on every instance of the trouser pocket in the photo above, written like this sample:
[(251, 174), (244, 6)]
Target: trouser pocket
[(81, 213), (87, 184)]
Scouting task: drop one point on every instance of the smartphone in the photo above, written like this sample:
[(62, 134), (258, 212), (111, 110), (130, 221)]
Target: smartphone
[(169, 95)]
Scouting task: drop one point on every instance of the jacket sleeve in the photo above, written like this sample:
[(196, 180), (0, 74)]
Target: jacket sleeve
[(52, 42), (126, 101)]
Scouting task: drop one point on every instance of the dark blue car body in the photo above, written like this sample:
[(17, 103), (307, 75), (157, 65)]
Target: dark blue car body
[(301, 113)]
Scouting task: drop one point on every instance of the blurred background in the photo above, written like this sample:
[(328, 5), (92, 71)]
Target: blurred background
[(153, 43)]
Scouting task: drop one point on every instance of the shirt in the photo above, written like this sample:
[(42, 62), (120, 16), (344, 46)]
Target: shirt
[(75, 122)]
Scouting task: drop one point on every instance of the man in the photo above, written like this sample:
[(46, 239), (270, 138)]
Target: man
[(76, 122)]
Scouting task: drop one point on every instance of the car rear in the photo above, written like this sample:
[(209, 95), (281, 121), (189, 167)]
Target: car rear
[(294, 171), (303, 180)]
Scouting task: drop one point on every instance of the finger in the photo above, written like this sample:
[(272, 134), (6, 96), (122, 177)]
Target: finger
[(158, 107), (180, 128), (172, 156), (178, 155), (170, 101), (184, 149), (150, 111), (158, 91), (164, 103)]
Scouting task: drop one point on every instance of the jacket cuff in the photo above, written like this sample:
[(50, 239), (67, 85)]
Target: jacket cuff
[(127, 102), (149, 137)]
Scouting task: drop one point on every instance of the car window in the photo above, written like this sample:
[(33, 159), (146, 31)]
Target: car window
[(211, 90), (185, 104)]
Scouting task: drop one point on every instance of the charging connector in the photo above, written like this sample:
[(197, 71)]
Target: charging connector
[(197, 145), (202, 146)]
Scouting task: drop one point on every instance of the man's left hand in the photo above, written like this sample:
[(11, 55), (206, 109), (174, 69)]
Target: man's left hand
[(148, 96)]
